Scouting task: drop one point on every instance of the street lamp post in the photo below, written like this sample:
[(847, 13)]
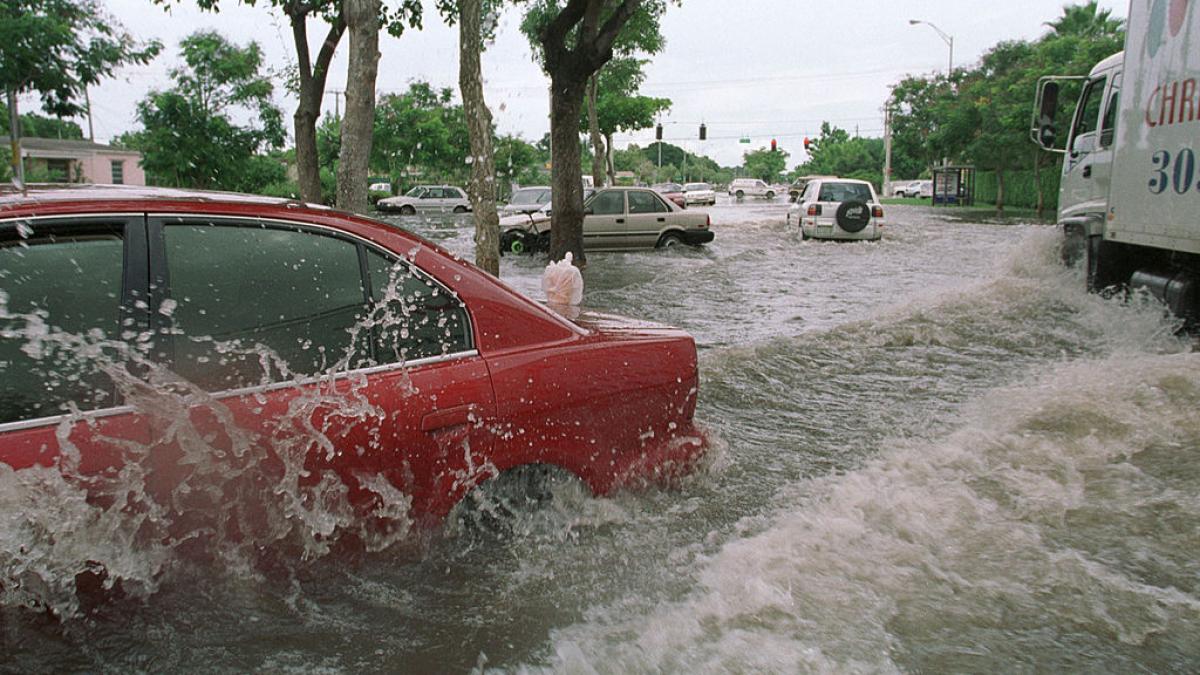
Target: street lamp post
[(948, 39)]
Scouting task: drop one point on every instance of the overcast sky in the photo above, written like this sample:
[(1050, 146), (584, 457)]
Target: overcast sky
[(761, 69)]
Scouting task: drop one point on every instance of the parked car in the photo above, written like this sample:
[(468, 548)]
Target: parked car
[(427, 199), (672, 191), (527, 200), (699, 193), (918, 188), (750, 187), (797, 186), (838, 208), (173, 352), (615, 219)]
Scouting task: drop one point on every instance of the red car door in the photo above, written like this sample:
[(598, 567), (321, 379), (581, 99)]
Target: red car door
[(69, 299), (348, 377)]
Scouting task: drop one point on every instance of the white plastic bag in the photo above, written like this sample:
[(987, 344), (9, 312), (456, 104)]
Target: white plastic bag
[(563, 283)]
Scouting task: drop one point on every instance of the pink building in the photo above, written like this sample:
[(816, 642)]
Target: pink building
[(71, 161)]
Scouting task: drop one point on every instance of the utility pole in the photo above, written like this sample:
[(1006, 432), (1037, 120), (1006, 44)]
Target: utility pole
[(337, 102), (87, 97), (887, 148), (14, 134)]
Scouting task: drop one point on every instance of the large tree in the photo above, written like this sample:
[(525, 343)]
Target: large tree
[(574, 39), (362, 20), (614, 106), (57, 48), (311, 74), (189, 137), (765, 164)]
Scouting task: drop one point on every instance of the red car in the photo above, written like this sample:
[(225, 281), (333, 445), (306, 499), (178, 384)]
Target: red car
[(168, 351), (672, 191)]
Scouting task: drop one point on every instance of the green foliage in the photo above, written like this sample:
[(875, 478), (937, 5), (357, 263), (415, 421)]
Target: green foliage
[(1020, 188), (518, 162), (765, 164), (58, 47), (188, 137), (421, 132), (39, 126), (619, 108), (981, 115), (640, 34), (678, 165)]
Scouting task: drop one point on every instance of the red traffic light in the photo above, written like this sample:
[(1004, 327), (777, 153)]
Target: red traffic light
[(774, 145), (806, 142)]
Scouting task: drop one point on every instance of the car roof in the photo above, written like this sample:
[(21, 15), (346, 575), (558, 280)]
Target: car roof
[(533, 187), (841, 180)]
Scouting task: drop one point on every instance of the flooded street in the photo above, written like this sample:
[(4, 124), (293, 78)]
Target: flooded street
[(932, 453)]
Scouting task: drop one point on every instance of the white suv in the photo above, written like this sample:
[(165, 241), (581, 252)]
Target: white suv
[(838, 208), (750, 187), (917, 188)]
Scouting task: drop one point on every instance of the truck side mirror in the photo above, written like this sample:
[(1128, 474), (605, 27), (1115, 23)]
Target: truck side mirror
[(1047, 134)]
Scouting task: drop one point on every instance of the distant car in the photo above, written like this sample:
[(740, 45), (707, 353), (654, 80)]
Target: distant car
[(615, 219), (427, 199), (699, 193), (917, 188), (838, 208), (302, 361), (750, 187), (797, 186), (672, 191), (527, 200), (380, 187)]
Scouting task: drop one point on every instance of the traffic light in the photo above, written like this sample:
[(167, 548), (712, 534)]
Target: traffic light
[(806, 142), (774, 145), (703, 132), (658, 132)]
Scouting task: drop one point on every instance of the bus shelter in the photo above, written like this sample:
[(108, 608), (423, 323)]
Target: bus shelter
[(954, 185)]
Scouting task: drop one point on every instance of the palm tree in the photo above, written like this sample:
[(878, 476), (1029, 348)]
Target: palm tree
[(1086, 20)]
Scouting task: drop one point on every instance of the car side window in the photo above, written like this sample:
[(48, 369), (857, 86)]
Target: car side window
[(411, 316), (57, 280), (660, 205), (641, 202), (244, 294), (611, 203), (433, 193), (1089, 111)]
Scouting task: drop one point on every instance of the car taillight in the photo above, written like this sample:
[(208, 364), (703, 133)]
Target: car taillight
[(877, 211), (814, 209), (707, 222)]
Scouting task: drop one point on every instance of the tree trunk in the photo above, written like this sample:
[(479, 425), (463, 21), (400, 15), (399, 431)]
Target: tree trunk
[(312, 90), (598, 153), (608, 154), (999, 192), (566, 229), (482, 188), (358, 124)]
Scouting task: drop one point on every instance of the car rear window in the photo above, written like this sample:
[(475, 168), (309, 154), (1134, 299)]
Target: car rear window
[(845, 192)]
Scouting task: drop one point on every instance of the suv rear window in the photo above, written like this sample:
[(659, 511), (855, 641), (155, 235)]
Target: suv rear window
[(844, 192)]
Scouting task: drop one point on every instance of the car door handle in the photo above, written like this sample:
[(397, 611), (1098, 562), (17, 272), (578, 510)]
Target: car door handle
[(1087, 171), (620, 221), (450, 417)]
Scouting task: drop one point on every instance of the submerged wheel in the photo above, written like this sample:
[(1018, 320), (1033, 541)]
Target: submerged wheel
[(408, 210), (508, 503), (770, 194), (460, 209), (739, 194), (513, 242), (669, 240)]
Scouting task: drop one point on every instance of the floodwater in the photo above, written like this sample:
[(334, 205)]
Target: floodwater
[(933, 453)]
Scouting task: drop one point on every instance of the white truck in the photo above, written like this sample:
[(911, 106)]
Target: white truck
[(1129, 201)]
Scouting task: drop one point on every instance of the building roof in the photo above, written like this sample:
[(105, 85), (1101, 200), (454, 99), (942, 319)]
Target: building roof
[(65, 146)]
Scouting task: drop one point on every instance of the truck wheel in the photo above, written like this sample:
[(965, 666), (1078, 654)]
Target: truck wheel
[(1108, 267), (1074, 245)]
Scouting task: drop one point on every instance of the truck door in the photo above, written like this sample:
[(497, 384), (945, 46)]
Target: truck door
[(1081, 191)]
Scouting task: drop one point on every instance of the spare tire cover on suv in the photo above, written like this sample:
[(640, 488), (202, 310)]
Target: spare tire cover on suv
[(853, 216)]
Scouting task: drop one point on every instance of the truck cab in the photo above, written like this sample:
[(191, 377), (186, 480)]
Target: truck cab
[(1129, 191)]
